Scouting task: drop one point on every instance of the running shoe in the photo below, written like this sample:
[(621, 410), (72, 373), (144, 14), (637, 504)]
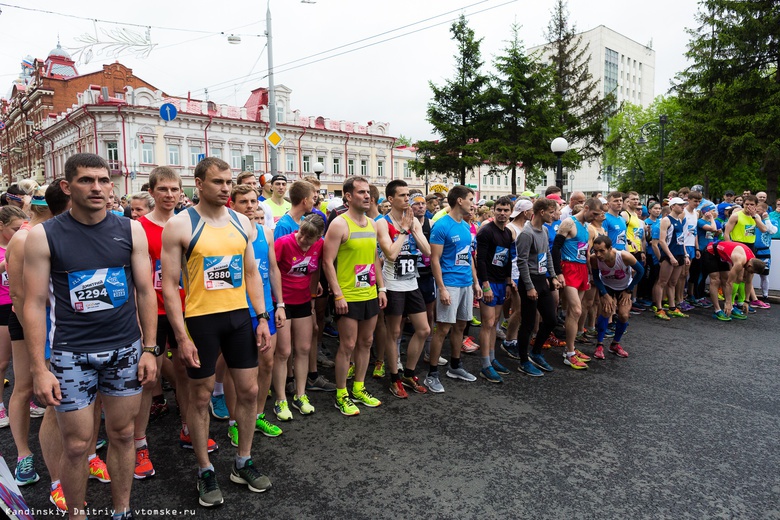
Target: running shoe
[(282, 411), (433, 384), (490, 374), (738, 314), (661, 315), (610, 333), (720, 294), (232, 434), (398, 390), (250, 476), (323, 359), (643, 302), (321, 384), (266, 428), (143, 464), (330, 331), (379, 370), (599, 352), (636, 310), (101, 443), (529, 369), (351, 371), (685, 306), (505, 324), (57, 497), (720, 315), (36, 411), (460, 373), (98, 470), (591, 333), (442, 361), (511, 350), (159, 408), (583, 357), (25, 473), (704, 303), (676, 313), (302, 404), (540, 362), (616, 349), (346, 406), (469, 345), (580, 338), (186, 442), (209, 494), (413, 383), (363, 397), (4, 421), (500, 333), (501, 369), (475, 322), (553, 341), (6, 382), (574, 362), (289, 387), (750, 309), (219, 408)]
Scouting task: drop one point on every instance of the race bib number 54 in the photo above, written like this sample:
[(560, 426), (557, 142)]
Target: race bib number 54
[(98, 289), (223, 272)]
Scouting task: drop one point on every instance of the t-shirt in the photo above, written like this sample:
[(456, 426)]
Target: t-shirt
[(690, 223), (286, 225), (616, 229), (655, 234), (533, 255), (493, 253), (278, 210), (455, 237), (297, 267), (707, 237)]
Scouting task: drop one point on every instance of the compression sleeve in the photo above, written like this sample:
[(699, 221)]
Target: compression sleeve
[(556, 252), (639, 270), (598, 282)]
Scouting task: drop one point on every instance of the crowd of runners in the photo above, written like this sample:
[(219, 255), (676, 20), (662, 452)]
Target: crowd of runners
[(227, 301)]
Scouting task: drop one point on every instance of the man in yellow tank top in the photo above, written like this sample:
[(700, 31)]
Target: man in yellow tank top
[(351, 264), (215, 244)]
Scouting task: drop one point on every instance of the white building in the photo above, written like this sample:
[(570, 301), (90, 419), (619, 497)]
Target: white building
[(622, 66)]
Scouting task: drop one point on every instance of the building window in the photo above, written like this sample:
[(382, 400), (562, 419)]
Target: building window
[(112, 154), (195, 151), (174, 158), (235, 159), (336, 166), (147, 153), (363, 167), (280, 113), (216, 152), (290, 160), (395, 168), (380, 168), (407, 173), (321, 160), (351, 167), (610, 71), (306, 164)]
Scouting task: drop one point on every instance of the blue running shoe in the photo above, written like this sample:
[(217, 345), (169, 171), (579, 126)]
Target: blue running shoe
[(330, 331), (738, 314), (720, 315), (491, 375), (751, 310), (218, 407), (529, 369), (25, 472), (510, 347), (540, 362), (501, 369)]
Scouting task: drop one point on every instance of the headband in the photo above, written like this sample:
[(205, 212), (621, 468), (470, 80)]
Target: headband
[(13, 197), (418, 198), (38, 200)]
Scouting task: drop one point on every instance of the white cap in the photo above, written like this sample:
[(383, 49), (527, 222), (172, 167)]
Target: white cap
[(334, 203), (520, 206), (676, 200)]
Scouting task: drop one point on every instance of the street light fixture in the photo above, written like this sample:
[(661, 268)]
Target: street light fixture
[(318, 169), (660, 128), (559, 146)]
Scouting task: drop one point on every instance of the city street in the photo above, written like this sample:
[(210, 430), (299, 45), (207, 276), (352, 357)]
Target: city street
[(686, 427)]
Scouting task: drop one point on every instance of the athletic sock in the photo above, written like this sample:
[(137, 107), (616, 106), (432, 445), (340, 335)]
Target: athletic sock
[(455, 363), (140, 443), (433, 369), (201, 471), (620, 328), (408, 372), (54, 484), (241, 461), (485, 361), (394, 377), (601, 326), (184, 428), (231, 422), (341, 392), (91, 457), (218, 390), (492, 355), (313, 375), (358, 386)]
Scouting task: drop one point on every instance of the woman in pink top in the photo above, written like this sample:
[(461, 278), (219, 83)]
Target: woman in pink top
[(299, 256)]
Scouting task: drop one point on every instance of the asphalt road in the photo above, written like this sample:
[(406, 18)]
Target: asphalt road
[(686, 427)]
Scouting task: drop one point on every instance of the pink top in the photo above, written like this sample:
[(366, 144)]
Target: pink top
[(5, 296), (297, 268)]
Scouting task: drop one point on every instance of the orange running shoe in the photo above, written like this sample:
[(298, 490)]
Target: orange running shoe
[(143, 465), (98, 470)]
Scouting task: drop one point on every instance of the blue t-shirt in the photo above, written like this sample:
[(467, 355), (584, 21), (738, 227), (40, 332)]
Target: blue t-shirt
[(552, 230), (286, 225), (655, 234), (616, 230), (456, 256), (774, 216), (707, 237)]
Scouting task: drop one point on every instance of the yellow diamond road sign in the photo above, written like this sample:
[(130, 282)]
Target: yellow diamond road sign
[(275, 138)]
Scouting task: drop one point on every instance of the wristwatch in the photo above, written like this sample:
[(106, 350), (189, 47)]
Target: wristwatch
[(156, 350), (264, 315)]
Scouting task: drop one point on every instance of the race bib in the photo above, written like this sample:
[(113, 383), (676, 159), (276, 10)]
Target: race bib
[(692, 230), (423, 261), (541, 259), (223, 272), (158, 275), (582, 252), (501, 256), (405, 266), (680, 240), (620, 239), (462, 256), (639, 234), (302, 267), (750, 231), (709, 235), (98, 289), (617, 275), (5, 279), (365, 276)]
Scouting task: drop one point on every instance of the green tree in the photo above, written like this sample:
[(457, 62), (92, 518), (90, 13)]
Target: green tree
[(457, 112), (403, 140), (523, 120), (731, 93)]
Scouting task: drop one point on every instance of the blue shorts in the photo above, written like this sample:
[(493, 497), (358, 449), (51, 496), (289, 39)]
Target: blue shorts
[(83, 375), (499, 294), (271, 322), (690, 251)]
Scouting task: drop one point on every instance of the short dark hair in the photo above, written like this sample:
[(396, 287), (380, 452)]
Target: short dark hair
[(551, 189), (541, 204), (203, 166), (242, 176), (56, 198), (241, 189), (615, 195), (312, 226), (392, 186), (162, 173), (750, 198), (83, 160), (373, 192), (349, 184), (503, 201), (595, 204), (603, 239), (299, 190), (458, 192), (431, 197)]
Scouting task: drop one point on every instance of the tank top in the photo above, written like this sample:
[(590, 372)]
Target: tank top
[(424, 261), (5, 295), (214, 278), (674, 237), (154, 238), (634, 233), (260, 249), (92, 290), (355, 267), (619, 276), (513, 252), (402, 274), (725, 249), (576, 249), (745, 229)]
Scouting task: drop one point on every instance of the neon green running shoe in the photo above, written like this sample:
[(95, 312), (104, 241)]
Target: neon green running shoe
[(475, 322), (233, 434), (379, 370), (302, 404), (351, 371), (362, 396), (346, 406), (282, 411), (676, 313), (266, 428)]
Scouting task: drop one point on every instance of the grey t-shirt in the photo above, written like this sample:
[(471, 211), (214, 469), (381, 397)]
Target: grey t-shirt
[(533, 255)]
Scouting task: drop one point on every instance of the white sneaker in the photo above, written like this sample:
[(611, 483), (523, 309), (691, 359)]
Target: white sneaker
[(36, 411), (4, 422), (460, 373)]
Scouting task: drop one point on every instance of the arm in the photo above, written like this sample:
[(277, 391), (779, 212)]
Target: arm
[(639, 269), (146, 302), (565, 229), (436, 252), (477, 288), (760, 223), (419, 237), (523, 247), (483, 253), (334, 237), (380, 282), (730, 226), (597, 281), (664, 227), (389, 248), (274, 276), (254, 286), (14, 255)]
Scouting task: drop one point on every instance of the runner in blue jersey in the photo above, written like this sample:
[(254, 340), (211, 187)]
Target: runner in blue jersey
[(613, 222), (673, 257)]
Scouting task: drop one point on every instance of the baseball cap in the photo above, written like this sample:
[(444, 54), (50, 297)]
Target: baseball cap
[(529, 194), (278, 177), (481, 202), (676, 200), (729, 193), (520, 206), (334, 203), (707, 207), (557, 198)]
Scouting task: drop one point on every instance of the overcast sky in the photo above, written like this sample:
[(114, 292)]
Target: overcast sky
[(383, 81)]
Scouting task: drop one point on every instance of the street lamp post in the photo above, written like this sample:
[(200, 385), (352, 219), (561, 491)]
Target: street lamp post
[(659, 127), (559, 146), (318, 169)]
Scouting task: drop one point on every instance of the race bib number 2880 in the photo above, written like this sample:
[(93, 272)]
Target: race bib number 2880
[(98, 289), (223, 272)]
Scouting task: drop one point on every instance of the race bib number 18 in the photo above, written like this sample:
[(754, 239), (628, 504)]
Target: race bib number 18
[(98, 289), (223, 272)]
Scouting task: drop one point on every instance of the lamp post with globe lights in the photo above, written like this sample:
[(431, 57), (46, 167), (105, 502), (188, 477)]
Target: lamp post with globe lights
[(559, 146)]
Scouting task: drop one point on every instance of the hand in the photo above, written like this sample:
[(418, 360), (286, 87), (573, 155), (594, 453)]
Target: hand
[(263, 335), (478, 292), (673, 261), (444, 297), (382, 300), (319, 290), (280, 317), (745, 307), (625, 299), (188, 354), (147, 369), (47, 389), (511, 285), (487, 295), (341, 306), (698, 254), (407, 220), (609, 304), (561, 281), (532, 294), (727, 306), (556, 284), (687, 261)]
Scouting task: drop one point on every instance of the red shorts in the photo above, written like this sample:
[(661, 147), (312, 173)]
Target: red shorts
[(576, 275)]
